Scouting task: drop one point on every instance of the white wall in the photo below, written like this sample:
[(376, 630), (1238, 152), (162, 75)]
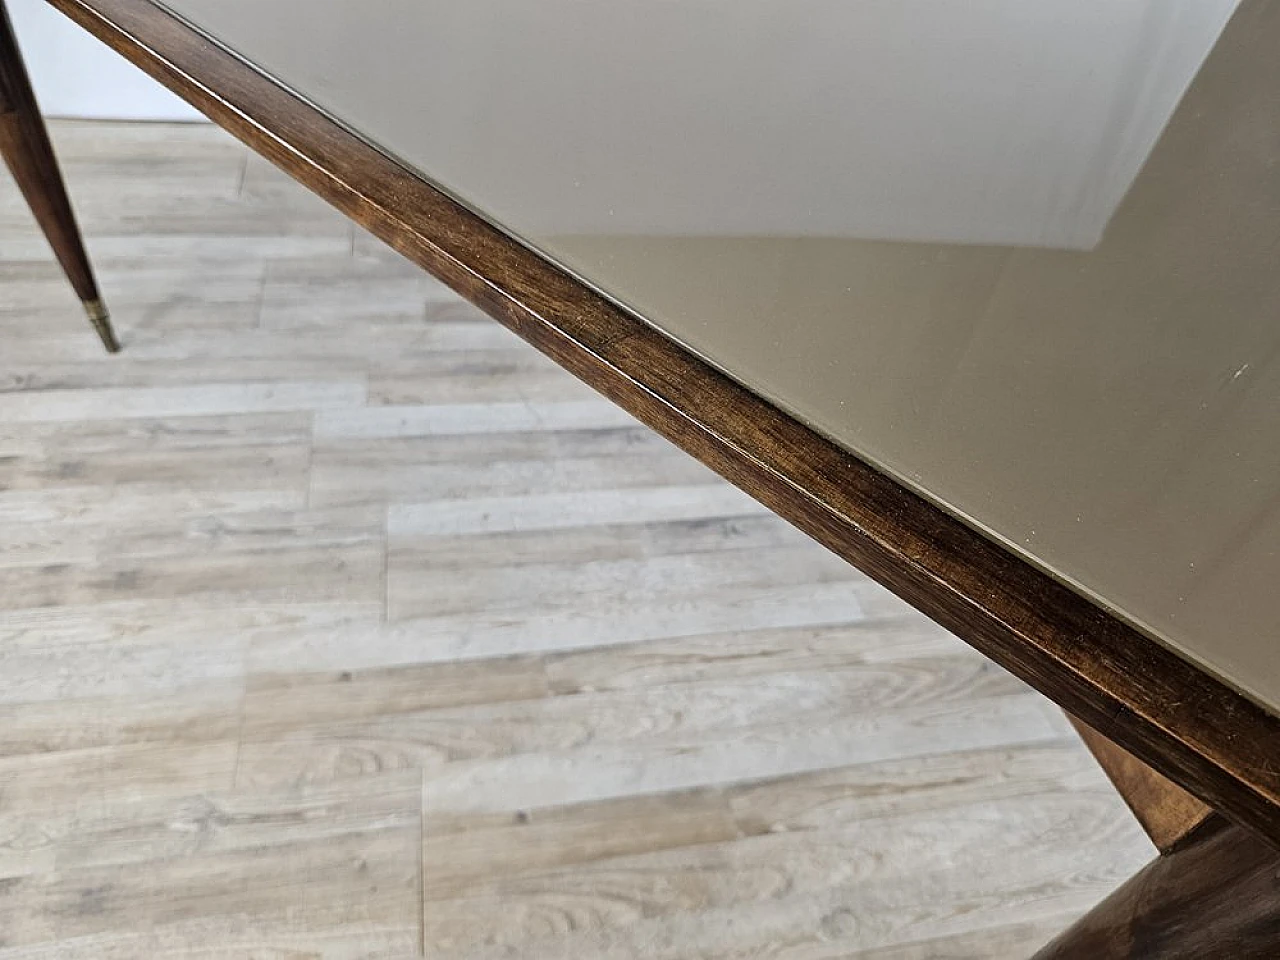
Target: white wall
[(75, 75)]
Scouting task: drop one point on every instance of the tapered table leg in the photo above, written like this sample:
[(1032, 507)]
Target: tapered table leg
[(1217, 896), (25, 146)]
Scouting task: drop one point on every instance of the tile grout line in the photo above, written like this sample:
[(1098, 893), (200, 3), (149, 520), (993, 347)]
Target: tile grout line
[(386, 563), (244, 704), (422, 865), (311, 460), (262, 296)]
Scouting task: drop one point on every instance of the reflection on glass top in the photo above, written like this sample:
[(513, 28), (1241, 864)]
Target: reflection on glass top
[(1023, 256)]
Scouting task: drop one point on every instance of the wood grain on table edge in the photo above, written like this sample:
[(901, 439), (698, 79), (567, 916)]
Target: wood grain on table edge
[(1188, 725)]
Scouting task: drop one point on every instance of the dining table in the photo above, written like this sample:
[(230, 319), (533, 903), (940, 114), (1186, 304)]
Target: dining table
[(982, 297)]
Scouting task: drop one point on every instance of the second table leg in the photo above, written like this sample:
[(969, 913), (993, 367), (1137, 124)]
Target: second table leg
[(25, 146)]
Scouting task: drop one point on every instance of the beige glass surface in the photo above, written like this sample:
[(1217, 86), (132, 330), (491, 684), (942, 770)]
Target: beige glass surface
[(1024, 256)]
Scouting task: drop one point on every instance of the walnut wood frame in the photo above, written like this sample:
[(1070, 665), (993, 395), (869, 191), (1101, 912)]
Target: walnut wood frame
[(1194, 729)]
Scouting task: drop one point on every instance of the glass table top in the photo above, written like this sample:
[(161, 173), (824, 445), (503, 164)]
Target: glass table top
[(1025, 257)]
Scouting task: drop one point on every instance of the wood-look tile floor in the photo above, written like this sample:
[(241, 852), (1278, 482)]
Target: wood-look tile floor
[(335, 622)]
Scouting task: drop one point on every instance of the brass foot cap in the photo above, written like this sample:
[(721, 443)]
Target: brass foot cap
[(101, 320)]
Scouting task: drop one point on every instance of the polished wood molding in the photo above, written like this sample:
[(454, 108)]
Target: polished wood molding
[(1194, 729), (1217, 896), (1167, 813), (27, 151)]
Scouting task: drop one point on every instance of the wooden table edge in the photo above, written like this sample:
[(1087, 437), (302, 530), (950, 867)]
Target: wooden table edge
[(1201, 733)]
